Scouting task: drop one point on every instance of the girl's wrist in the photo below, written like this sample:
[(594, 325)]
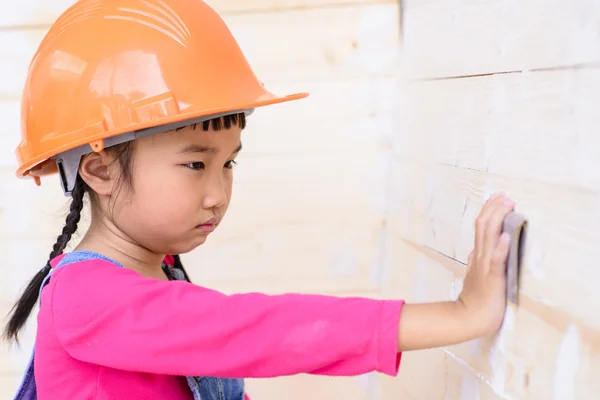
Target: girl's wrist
[(466, 320), (438, 324)]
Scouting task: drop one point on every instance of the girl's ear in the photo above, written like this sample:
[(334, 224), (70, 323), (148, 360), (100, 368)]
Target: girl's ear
[(97, 170)]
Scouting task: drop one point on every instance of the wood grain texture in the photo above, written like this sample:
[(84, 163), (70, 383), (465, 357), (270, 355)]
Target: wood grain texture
[(253, 6), (560, 251), (532, 357), (28, 13), (436, 375), (534, 126), (531, 135), (469, 37), (460, 141)]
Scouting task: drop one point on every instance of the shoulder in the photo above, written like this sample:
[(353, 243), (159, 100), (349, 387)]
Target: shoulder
[(86, 283), (82, 270), (81, 292)]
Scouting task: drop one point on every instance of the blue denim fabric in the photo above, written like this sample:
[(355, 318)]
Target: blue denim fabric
[(203, 387)]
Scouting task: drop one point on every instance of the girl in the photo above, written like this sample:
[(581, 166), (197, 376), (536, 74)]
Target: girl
[(132, 101)]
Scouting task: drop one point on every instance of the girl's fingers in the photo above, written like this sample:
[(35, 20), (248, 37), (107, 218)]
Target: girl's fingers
[(494, 227), (482, 221), (499, 255), (470, 260)]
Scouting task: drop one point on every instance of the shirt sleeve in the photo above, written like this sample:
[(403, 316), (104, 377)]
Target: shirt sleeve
[(114, 317)]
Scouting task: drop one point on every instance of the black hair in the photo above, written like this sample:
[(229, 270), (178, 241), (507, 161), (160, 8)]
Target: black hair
[(179, 265), (22, 309)]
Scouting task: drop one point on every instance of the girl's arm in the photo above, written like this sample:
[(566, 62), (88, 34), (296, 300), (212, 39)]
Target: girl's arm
[(112, 316)]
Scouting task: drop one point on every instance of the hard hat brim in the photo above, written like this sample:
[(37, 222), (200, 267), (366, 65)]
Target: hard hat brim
[(38, 166)]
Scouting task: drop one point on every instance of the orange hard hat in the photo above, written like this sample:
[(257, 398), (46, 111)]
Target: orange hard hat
[(109, 71)]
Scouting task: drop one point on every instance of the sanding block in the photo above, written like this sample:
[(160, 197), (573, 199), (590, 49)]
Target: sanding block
[(516, 226)]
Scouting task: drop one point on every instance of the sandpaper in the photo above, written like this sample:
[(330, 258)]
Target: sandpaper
[(516, 226)]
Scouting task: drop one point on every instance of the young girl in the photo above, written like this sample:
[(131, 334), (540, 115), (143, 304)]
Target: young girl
[(139, 105)]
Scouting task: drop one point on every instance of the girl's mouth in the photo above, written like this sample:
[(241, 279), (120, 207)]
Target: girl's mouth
[(209, 226)]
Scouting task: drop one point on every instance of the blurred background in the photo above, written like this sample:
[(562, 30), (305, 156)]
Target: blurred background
[(419, 110)]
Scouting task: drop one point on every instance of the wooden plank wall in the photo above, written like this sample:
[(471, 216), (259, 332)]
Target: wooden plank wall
[(499, 95), (308, 206)]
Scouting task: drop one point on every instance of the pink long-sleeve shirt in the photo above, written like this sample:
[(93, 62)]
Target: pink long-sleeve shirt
[(106, 332)]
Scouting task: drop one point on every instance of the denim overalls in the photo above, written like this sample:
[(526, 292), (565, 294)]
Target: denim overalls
[(203, 388)]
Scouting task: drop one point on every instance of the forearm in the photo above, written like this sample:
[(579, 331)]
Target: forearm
[(429, 325)]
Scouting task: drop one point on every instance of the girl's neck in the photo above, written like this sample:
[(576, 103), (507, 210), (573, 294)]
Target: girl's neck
[(106, 239)]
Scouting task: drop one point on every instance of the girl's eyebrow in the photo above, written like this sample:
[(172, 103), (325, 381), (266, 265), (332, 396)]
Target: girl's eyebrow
[(195, 148), (237, 149)]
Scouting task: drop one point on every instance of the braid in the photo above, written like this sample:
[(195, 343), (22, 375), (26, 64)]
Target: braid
[(72, 219), (22, 309), (179, 265)]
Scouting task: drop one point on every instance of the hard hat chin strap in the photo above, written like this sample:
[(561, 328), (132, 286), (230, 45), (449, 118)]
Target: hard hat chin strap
[(68, 161)]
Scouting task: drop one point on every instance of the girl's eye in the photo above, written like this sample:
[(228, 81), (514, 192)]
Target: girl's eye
[(195, 165), (230, 164)]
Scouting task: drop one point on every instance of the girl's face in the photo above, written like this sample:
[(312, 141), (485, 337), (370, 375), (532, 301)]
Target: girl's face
[(180, 189)]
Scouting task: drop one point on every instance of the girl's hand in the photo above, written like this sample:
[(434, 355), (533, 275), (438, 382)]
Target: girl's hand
[(484, 291), (480, 307)]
